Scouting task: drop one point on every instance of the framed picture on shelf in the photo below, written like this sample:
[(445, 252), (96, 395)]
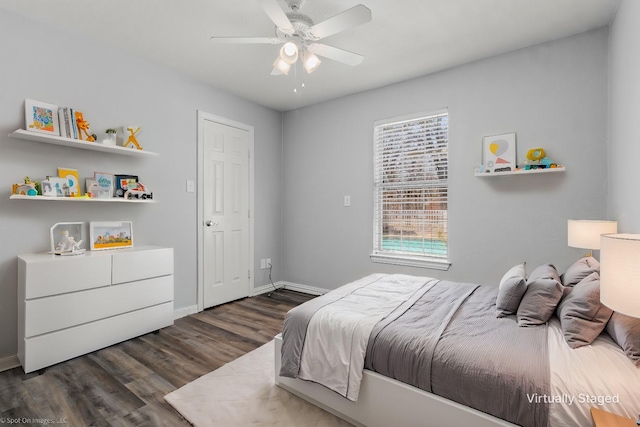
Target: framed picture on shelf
[(105, 184), (71, 175), (111, 235), (499, 152), (41, 117), (123, 182)]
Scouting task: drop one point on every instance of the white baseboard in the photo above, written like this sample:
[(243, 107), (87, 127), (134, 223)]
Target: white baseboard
[(184, 311), (9, 362), (303, 288), (310, 290)]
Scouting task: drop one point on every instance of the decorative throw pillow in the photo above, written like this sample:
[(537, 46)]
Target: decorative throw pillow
[(544, 291), (625, 331), (582, 316), (579, 270), (512, 287)]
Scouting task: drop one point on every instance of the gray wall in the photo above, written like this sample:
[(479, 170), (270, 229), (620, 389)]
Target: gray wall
[(113, 88), (624, 114), (553, 95)]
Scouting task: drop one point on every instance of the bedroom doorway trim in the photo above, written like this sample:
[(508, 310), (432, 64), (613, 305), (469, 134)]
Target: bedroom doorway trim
[(201, 226)]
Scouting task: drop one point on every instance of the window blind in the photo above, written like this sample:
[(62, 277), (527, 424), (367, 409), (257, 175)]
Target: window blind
[(411, 185)]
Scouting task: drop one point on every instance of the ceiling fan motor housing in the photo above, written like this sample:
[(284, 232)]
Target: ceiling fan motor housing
[(301, 24)]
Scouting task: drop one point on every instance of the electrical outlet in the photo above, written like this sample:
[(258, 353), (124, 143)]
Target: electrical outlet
[(347, 201), (263, 264), (268, 262)]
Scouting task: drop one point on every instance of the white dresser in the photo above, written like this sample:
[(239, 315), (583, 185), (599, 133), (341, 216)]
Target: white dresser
[(73, 305)]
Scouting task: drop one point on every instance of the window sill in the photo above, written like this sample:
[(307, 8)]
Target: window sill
[(409, 261)]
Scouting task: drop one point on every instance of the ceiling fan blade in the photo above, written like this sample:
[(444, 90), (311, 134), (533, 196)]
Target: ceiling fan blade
[(336, 54), (277, 15), (245, 40), (350, 18)]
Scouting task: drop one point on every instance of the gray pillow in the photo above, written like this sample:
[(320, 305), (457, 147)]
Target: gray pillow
[(512, 288), (625, 331), (544, 271), (582, 316), (579, 270), (544, 291)]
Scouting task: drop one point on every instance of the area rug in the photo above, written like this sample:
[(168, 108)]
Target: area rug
[(243, 393)]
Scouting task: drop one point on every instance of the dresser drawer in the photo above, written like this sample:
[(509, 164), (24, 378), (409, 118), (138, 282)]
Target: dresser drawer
[(135, 265), (48, 349), (53, 275), (62, 311)]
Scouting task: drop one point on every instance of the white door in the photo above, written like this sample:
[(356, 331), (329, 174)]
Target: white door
[(225, 213)]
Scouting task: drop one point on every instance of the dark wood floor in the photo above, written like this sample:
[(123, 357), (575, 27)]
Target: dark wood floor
[(124, 385)]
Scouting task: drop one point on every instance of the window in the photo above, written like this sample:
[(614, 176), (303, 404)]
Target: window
[(410, 186)]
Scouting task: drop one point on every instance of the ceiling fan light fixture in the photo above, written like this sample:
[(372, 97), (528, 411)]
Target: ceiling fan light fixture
[(289, 52), (281, 66), (310, 61)]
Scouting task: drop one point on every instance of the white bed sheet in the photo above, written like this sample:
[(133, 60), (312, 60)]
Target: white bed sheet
[(597, 375), (338, 333)]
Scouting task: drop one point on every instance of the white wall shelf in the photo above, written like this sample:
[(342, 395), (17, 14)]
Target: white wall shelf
[(75, 143), (80, 199), (520, 172)]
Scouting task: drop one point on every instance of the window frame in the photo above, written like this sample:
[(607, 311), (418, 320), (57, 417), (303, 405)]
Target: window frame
[(408, 259)]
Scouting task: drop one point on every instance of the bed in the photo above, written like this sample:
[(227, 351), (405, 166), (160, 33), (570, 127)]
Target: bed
[(407, 350)]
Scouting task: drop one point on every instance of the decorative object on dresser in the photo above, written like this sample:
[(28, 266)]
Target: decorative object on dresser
[(499, 152), (585, 234), (111, 235), (66, 238), (41, 117), (69, 306)]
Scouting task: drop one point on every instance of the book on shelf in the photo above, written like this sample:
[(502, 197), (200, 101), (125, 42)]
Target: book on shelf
[(65, 122)]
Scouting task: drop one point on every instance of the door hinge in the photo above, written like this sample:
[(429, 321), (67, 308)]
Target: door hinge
[(249, 213), (249, 271)]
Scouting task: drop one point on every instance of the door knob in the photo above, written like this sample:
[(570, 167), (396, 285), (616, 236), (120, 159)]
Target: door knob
[(209, 223)]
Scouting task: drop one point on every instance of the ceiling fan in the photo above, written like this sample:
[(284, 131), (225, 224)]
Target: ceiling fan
[(299, 35)]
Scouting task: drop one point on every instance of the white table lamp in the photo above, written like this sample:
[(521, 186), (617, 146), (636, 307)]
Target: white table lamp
[(585, 234), (620, 274)]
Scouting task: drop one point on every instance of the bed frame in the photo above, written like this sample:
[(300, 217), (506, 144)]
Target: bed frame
[(384, 402)]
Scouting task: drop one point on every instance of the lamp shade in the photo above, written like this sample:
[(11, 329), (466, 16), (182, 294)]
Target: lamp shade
[(280, 67), (620, 273), (585, 234), (310, 61), (289, 52)]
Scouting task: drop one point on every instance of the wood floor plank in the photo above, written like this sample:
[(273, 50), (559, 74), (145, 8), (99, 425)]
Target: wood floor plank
[(125, 384)]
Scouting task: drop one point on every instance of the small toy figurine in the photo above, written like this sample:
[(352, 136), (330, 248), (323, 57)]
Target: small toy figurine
[(138, 192), (28, 188), (132, 138), (83, 127), (535, 154), (68, 245)]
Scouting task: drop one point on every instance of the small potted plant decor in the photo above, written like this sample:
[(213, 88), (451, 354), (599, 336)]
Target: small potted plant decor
[(111, 137)]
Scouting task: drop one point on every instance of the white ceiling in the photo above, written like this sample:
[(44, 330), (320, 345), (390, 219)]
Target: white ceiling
[(405, 39)]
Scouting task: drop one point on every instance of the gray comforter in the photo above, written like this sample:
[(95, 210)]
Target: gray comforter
[(450, 343)]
